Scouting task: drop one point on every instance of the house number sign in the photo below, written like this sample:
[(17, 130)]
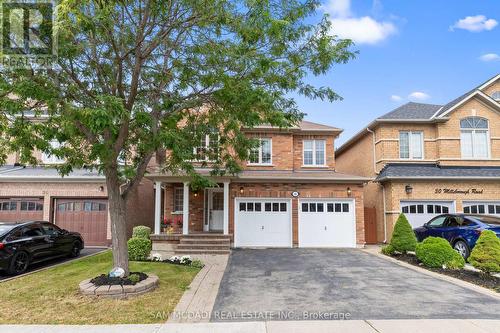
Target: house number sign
[(459, 191)]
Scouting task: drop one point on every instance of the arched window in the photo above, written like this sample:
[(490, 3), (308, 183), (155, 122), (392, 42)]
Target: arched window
[(474, 137), (496, 95)]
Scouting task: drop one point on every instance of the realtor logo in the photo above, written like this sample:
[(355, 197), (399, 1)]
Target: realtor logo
[(27, 38)]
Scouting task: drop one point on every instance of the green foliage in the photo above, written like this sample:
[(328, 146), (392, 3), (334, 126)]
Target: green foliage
[(403, 238), (486, 254), (388, 250), (141, 231), (134, 278), (436, 252), (138, 248), (197, 263)]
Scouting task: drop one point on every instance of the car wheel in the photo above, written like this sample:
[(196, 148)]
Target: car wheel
[(75, 250), (462, 248), (19, 263)]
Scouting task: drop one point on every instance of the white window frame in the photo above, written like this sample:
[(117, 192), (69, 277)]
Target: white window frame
[(260, 162), (410, 145), (52, 159), (174, 194), (206, 147), (496, 95), (314, 164), (474, 131)]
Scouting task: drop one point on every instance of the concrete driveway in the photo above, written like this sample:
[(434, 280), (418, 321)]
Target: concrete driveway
[(295, 284), (35, 267)]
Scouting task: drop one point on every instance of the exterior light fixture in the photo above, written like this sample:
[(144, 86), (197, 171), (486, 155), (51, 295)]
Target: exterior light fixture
[(241, 190), (408, 189), (101, 188), (349, 191), (196, 194)]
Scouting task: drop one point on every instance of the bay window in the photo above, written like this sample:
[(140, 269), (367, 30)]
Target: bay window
[(411, 145), (474, 137), (314, 152)]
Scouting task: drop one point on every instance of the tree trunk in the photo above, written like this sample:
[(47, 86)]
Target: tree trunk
[(118, 215)]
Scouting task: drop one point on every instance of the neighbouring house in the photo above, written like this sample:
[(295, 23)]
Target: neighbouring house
[(289, 194), (76, 202), (427, 159)]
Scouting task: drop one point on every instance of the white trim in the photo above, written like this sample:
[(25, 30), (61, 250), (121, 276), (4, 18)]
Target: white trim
[(435, 113), (226, 209), (410, 145), (473, 131), (236, 207), (158, 190), (185, 210), (466, 99), (489, 82), (314, 153)]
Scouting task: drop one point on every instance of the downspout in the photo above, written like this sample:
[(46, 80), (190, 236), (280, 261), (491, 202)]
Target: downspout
[(385, 214), (374, 157)]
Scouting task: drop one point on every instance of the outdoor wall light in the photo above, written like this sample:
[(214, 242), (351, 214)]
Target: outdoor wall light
[(349, 191), (241, 190), (408, 189), (196, 194), (101, 188)]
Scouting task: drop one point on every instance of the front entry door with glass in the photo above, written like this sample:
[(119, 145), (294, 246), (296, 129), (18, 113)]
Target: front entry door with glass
[(215, 209)]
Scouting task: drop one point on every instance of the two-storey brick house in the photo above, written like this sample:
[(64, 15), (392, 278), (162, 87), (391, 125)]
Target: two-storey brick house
[(429, 159), (288, 194)]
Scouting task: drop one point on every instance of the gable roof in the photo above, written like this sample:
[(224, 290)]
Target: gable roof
[(302, 126), (412, 110)]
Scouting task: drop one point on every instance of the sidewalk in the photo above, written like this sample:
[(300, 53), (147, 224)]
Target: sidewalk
[(351, 326)]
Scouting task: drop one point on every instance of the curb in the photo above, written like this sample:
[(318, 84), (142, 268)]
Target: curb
[(461, 283), (53, 266)]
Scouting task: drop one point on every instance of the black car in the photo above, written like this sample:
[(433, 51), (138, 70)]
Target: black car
[(22, 244)]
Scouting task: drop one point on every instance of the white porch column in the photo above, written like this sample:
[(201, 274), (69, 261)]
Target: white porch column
[(185, 209), (157, 208), (226, 208)]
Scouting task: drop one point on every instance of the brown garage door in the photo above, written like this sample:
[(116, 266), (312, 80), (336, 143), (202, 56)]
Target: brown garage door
[(89, 217), (21, 209)]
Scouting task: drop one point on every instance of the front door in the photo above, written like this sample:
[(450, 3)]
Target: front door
[(216, 210)]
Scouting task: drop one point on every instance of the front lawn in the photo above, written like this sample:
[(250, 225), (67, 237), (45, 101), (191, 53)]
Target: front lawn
[(51, 296)]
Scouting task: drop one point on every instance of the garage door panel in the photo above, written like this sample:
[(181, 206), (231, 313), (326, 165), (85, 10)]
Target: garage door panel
[(420, 212), (482, 207), (89, 217), (262, 223), (327, 223), (21, 209)]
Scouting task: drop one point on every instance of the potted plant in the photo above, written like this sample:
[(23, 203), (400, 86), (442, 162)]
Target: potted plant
[(166, 224)]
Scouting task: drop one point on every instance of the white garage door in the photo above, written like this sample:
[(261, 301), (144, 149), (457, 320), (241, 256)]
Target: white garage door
[(486, 208), (327, 223), (262, 223), (420, 212)]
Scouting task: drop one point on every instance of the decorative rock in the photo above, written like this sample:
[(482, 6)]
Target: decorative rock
[(116, 291)]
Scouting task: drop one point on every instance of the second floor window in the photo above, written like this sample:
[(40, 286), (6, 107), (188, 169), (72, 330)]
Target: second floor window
[(314, 152), (208, 148), (262, 154), (474, 137), (411, 145)]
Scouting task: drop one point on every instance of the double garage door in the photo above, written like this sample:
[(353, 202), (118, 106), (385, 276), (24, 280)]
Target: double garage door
[(268, 223), (420, 212)]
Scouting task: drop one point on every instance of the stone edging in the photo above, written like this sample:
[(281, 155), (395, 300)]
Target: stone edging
[(461, 283), (117, 291)]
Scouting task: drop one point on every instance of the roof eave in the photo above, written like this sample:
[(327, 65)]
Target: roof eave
[(389, 178)]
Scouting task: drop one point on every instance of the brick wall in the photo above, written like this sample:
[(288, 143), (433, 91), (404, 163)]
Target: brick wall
[(298, 151)]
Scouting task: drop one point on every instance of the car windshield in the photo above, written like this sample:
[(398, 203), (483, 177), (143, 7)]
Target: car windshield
[(5, 228), (492, 220)]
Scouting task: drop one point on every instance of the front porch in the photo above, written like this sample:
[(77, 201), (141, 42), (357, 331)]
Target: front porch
[(190, 222)]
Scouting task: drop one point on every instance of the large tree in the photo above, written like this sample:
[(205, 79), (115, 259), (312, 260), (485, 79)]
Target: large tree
[(136, 78)]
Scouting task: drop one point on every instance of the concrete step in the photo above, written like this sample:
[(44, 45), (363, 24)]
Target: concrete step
[(205, 236), (183, 252), (215, 241), (202, 247)]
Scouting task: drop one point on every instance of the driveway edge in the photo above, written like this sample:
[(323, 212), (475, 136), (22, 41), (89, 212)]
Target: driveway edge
[(461, 283)]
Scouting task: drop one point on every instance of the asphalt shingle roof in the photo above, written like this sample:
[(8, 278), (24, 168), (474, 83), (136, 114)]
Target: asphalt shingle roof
[(412, 110), (24, 172), (416, 171)]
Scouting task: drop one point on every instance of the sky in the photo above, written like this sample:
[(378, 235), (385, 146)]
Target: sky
[(428, 51)]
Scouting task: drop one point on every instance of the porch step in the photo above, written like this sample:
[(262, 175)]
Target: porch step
[(198, 251), (205, 236), (202, 246), (214, 241)]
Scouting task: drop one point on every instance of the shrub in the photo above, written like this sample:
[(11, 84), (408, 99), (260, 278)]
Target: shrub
[(134, 278), (141, 231), (486, 254), (388, 250), (436, 252), (138, 248), (403, 238)]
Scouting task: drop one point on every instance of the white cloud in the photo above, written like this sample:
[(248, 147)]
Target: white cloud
[(419, 96), (489, 57), (476, 23), (362, 30), (396, 98)]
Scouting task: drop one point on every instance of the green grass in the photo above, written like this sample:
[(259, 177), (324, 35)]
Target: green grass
[(52, 297)]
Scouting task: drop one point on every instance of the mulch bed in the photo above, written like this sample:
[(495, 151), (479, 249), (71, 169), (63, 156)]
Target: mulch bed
[(478, 278), (103, 280)]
